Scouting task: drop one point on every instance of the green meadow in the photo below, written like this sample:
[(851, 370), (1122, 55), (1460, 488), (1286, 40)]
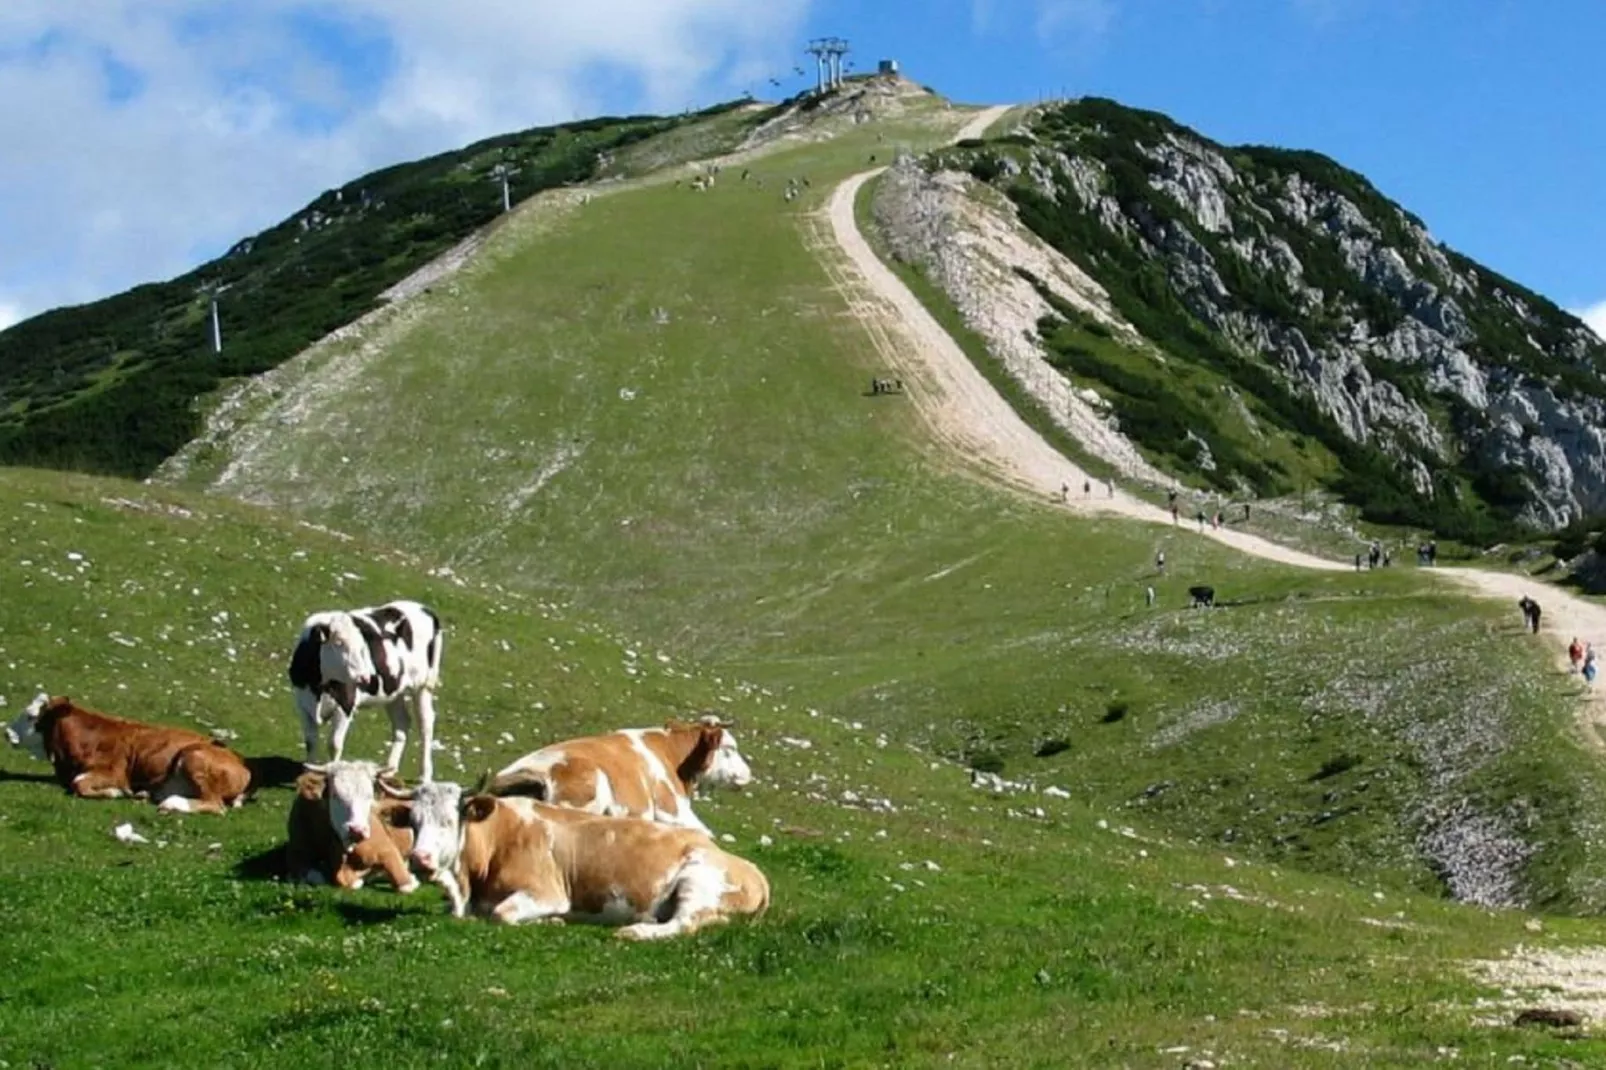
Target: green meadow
[(628, 454)]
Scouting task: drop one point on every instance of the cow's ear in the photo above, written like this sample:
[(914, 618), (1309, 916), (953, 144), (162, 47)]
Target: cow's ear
[(478, 807), (320, 633)]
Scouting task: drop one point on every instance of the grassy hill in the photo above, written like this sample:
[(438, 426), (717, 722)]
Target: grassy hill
[(628, 454), (917, 921), (653, 405), (127, 371)]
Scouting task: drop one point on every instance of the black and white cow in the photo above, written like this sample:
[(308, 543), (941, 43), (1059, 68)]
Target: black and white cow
[(388, 655), (1202, 596)]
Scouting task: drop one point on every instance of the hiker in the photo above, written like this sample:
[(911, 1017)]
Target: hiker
[(1065, 492), (1148, 593), (1246, 512), (1575, 654), (1201, 520), (1109, 485), (1530, 613), (1174, 518), (1087, 488), (1589, 664), (1159, 562), (1357, 562)]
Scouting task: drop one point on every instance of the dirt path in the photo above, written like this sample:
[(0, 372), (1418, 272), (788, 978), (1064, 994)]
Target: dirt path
[(974, 423)]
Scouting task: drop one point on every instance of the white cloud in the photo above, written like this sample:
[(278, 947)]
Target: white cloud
[(1595, 317), (143, 136), (9, 313)]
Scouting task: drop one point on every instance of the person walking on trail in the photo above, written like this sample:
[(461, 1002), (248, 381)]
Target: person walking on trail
[(1087, 488), (1201, 520), (1174, 517), (1148, 593), (1357, 562), (1246, 512), (1109, 486), (1575, 654), (1065, 492), (1159, 562), (1589, 664)]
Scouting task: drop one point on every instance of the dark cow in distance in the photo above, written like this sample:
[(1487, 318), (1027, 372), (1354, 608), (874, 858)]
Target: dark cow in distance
[(387, 655), (1202, 596), (102, 757)]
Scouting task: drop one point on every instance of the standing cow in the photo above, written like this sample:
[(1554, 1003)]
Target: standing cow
[(388, 655)]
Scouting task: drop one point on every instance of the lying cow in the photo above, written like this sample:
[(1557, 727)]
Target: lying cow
[(101, 757), (518, 860), (1202, 596), (388, 655), (340, 831), (637, 772)]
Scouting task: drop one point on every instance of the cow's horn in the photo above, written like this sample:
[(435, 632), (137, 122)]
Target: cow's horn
[(393, 789), (484, 784)]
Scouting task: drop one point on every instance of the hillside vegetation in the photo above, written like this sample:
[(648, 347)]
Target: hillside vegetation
[(126, 372), (629, 453), (916, 921), (673, 431)]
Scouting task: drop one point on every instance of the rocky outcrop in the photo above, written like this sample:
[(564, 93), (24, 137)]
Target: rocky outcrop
[(1301, 268)]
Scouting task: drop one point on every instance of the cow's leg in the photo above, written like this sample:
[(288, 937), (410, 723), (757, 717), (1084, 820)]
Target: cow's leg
[(397, 708), (698, 893), (425, 700), (337, 738), (395, 866), (454, 893), (308, 705), (97, 786), (522, 907)]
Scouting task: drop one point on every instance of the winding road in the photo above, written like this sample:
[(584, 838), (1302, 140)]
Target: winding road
[(975, 424)]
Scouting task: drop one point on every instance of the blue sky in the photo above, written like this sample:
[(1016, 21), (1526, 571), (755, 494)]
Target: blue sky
[(144, 136)]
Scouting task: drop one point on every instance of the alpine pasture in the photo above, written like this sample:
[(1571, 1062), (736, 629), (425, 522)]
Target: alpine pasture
[(627, 454)]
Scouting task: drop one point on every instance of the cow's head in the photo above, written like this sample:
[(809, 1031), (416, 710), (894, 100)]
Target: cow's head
[(24, 730), (348, 789), (344, 654), (725, 768), (437, 826)]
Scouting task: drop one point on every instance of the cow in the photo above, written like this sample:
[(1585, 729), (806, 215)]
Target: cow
[(387, 655), (636, 772), (98, 756), (517, 860), (1202, 596), (340, 831)]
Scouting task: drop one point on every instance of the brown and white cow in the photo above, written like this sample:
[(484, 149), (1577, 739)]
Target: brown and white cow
[(102, 757), (636, 772), (327, 843), (517, 860)]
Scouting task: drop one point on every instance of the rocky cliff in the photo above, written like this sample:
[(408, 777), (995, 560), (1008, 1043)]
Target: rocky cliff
[(1421, 385)]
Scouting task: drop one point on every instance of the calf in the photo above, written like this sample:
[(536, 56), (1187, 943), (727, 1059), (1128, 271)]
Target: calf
[(388, 655), (517, 860), (1202, 596), (637, 772), (101, 757), (340, 831)]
